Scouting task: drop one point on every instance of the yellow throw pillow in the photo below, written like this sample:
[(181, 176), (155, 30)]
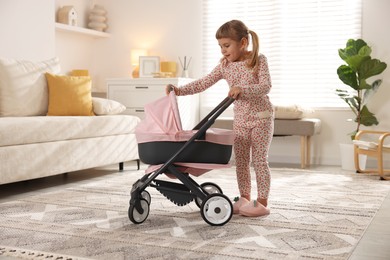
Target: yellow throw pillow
[(69, 95)]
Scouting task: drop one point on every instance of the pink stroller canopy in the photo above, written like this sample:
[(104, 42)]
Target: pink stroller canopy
[(162, 116), (162, 123)]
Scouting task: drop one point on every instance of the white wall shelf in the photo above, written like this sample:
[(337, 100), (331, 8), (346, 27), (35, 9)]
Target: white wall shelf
[(81, 30)]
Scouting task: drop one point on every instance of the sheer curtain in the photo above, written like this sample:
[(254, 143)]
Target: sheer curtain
[(300, 38)]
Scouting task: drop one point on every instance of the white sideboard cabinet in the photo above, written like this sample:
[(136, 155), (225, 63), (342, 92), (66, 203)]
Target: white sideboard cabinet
[(135, 93)]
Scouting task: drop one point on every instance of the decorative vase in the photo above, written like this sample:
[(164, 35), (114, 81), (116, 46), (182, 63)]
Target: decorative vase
[(347, 158), (185, 74), (97, 18)]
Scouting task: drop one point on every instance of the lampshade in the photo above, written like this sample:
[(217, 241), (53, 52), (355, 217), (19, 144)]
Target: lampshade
[(169, 68)]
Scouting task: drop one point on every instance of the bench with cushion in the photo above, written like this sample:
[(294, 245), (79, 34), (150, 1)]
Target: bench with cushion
[(305, 128), (289, 121)]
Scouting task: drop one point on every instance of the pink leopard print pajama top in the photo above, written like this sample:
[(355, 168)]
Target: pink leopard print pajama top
[(253, 119)]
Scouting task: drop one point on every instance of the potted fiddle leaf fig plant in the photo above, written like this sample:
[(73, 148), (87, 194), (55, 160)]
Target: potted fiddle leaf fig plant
[(358, 68)]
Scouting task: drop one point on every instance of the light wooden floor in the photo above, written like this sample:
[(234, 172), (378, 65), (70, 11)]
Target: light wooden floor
[(374, 244)]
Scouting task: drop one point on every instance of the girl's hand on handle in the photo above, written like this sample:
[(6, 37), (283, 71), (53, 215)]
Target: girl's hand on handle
[(171, 87), (235, 92)]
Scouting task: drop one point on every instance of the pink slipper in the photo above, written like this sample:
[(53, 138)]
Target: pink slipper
[(254, 209), (239, 202)]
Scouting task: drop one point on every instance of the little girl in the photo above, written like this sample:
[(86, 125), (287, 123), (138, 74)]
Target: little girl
[(249, 81)]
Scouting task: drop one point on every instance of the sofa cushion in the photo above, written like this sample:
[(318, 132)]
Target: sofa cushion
[(69, 95), (23, 87), (40, 129), (103, 106)]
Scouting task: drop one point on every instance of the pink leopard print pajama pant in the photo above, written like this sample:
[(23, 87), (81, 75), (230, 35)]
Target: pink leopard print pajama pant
[(259, 139)]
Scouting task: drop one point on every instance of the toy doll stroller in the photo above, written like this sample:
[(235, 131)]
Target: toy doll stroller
[(169, 150)]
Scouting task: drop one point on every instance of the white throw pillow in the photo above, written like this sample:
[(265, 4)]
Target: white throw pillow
[(102, 106), (290, 111), (23, 86)]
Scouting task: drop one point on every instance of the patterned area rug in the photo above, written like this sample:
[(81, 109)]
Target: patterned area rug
[(314, 215)]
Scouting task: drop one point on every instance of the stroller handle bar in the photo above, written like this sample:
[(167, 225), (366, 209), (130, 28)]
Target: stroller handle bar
[(215, 113)]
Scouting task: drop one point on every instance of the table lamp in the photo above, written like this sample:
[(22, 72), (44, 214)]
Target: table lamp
[(168, 69), (135, 54)]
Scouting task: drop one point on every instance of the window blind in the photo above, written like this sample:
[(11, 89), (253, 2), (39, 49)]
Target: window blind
[(300, 38)]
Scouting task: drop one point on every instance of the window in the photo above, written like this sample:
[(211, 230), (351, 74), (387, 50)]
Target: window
[(300, 38)]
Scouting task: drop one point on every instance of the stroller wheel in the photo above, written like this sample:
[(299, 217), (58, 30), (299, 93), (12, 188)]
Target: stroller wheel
[(146, 195), (216, 209), (210, 188), (137, 217)]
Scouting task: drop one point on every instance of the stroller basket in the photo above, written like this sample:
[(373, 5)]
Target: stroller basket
[(205, 152), (175, 192)]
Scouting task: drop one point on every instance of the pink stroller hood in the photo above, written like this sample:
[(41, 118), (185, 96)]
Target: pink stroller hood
[(162, 117), (163, 123)]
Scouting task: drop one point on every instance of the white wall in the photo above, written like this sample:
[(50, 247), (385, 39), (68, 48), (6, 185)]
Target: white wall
[(77, 51), (26, 29), (165, 28), (376, 33)]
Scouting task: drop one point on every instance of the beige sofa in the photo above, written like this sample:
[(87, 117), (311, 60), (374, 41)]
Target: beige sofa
[(33, 145)]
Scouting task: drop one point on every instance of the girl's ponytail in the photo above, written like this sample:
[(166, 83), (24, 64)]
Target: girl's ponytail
[(254, 57)]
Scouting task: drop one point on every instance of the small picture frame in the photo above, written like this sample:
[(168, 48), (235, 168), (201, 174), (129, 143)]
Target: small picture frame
[(149, 66)]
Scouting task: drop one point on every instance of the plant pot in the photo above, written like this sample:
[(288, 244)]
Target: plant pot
[(347, 158)]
